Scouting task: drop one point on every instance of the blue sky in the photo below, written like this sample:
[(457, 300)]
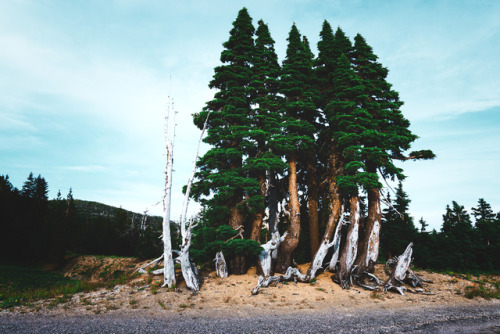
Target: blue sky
[(84, 86)]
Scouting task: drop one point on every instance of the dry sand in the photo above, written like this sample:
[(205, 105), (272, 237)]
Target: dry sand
[(232, 295)]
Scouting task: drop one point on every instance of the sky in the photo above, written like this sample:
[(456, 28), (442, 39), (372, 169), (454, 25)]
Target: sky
[(84, 87)]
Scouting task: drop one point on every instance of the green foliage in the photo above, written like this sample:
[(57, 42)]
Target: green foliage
[(207, 241)]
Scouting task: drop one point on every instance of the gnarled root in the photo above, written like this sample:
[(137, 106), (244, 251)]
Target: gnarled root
[(264, 282)]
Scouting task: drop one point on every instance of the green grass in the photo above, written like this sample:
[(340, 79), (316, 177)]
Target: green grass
[(20, 285), (484, 289)]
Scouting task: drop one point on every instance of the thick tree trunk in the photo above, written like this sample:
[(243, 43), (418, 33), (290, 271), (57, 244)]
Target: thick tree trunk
[(369, 244), (327, 242), (333, 218), (350, 250), (237, 264), (292, 238), (236, 216), (259, 216), (312, 203)]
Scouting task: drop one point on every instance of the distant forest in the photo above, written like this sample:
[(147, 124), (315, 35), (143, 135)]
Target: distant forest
[(37, 230)]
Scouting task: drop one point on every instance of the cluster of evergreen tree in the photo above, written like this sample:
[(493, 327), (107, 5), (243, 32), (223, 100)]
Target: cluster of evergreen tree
[(460, 245), (316, 133), (35, 229)]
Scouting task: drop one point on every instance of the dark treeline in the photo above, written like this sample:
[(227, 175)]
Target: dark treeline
[(35, 229), (463, 243)]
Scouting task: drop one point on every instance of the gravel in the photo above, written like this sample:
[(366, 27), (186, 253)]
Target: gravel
[(482, 319)]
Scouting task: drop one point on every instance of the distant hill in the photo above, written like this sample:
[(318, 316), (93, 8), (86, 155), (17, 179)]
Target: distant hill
[(96, 209)]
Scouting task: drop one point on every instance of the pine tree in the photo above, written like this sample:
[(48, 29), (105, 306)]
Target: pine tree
[(458, 238), (488, 231), (266, 122), (387, 140), (299, 112), (398, 229), (221, 171), (423, 225), (29, 187), (351, 125)]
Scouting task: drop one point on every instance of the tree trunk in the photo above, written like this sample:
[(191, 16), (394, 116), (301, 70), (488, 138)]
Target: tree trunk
[(169, 270), (273, 202), (292, 238), (399, 272), (333, 218), (312, 203), (350, 250), (369, 245), (259, 216), (220, 265)]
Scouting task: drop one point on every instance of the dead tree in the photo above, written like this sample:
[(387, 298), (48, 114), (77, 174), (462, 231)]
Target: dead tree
[(168, 269), (189, 269)]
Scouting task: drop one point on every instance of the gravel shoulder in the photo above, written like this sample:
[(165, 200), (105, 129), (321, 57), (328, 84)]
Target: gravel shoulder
[(469, 319)]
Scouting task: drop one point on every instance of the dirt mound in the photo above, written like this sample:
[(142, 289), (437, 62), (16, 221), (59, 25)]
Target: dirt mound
[(99, 269)]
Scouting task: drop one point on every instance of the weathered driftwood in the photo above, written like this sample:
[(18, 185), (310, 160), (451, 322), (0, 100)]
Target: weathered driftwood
[(264, 282), (155, 262), (220, 265), (399, 272)]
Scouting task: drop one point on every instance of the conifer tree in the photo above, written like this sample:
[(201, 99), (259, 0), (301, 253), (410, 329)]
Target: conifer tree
[(387, 140), (398, 229), (298, 113), (266, 122), (221, 171), (330, 48)]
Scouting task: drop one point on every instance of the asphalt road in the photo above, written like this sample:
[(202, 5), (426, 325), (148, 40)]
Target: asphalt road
[(485, 319)]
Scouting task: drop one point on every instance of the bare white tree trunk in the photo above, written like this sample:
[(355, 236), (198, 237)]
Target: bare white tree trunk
[(220, 265), (265, 259), (189, 269), (336, 244), (350, 250), (317, 262), (168, 270)]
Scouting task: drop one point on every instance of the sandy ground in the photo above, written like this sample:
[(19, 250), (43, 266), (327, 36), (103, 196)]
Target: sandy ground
[(232, 295)]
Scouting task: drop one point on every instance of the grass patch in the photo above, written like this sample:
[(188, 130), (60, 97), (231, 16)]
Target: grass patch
[(21, 285), (486, 290)]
